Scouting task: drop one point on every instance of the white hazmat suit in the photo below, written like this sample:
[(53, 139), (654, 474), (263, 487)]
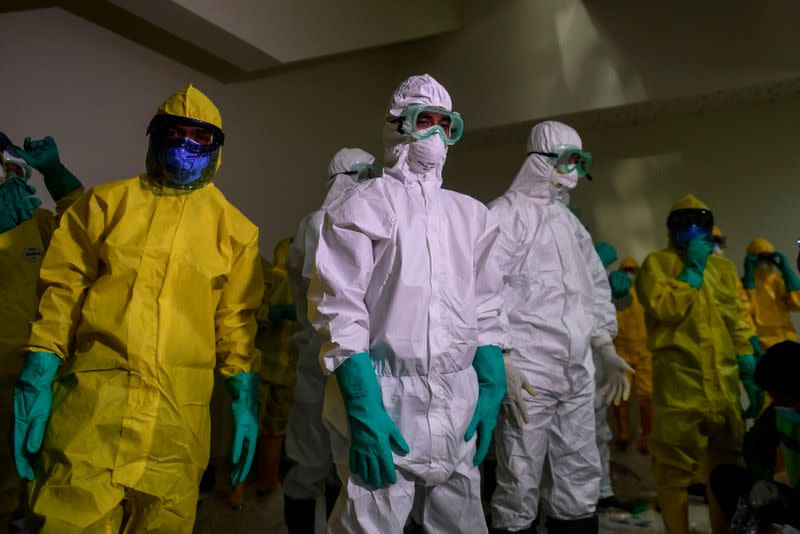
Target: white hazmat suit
[(559, 306), (307, 439), (404, 272)]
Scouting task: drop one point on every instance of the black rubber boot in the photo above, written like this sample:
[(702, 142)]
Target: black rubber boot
[(299, 515), (587, 525)]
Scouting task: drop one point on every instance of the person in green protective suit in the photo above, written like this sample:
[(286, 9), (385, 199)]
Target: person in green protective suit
[(701, 349), (768, 490), (149, 285)]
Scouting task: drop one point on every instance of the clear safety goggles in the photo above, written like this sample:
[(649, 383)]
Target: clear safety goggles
[(422, 122), (360, 172), (682, 219), (195, 136), (13, 165), (569, 158)]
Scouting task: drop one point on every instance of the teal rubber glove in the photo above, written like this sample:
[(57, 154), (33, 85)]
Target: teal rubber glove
[(17, 203), (620, 284), (695, 260), (747, 369), (607, 253), (33, 400), (42, 155), (749, 278), (789, 276), (373, 434), (491, 371), (283, 312), (243, 389), (758, 350)]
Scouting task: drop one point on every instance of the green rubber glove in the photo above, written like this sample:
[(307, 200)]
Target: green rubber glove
[(491, 371), (620, 284), (607, 253), (758, 350), (42, 155), (17, 203), (33, 400), (373, 434), (243, 389), (695, 260), (747, 369), (283, 312), (789, 276), (749, 278)]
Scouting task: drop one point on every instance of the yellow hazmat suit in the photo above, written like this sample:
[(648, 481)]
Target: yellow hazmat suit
[(278, 368), (145, 291), (771, 302), (21, 253), (695, 337), (631, 344)]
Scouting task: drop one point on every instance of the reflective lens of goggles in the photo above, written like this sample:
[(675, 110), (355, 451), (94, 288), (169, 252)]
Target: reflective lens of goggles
[(195, 136), (685, 218), (421, 122), (568, 158)]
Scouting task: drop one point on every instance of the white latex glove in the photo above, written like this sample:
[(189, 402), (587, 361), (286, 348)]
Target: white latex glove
[(617, 387), (763, 493), (513, 402)]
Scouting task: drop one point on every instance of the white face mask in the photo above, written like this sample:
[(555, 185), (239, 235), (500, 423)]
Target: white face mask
[(630, 275), (426, 155), (718, 250)]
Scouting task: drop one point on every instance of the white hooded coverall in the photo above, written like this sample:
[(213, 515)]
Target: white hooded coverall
[(404, 272), (557, 299), (308, 443)]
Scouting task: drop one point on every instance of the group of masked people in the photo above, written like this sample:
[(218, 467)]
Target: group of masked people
[(422, 326)]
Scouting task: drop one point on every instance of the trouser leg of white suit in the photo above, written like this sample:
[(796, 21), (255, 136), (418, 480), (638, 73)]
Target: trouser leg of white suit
[(604, 437), (308, 442), (563, 432), (451, 506)]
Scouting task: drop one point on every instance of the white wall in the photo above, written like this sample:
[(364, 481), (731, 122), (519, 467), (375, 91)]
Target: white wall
[(514, 61)]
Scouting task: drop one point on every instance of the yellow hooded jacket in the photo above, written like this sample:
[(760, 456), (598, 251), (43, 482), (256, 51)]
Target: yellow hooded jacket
[(145, 291)]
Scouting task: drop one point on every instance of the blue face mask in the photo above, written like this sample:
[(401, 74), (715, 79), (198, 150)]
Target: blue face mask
[(788, 414), (181, 164), (686, 235)]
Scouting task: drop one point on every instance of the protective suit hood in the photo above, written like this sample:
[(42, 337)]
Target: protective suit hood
[(424, 90), (191, 103), (760, 246), (537, 175), (628, 263), (689, 202), (342, 162)]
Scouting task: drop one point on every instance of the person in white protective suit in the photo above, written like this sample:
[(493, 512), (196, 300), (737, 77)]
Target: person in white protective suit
[(408, 300), (559, 310), (308, 444)]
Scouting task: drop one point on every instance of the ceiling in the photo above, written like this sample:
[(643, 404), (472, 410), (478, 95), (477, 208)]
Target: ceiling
[(238, 40)]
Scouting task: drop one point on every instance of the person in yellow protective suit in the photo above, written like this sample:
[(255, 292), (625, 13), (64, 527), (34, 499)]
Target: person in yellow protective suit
[(631, 344), (700, 349), (22, 247), (720, 244), (774, 291), (149, 284), (277, 323)]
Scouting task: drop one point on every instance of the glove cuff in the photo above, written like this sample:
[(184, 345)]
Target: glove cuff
[(40, 369), (747, 365), (60, 182), (691, 277)]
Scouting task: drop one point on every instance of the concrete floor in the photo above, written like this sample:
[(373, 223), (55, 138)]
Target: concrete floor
[(631, 477)]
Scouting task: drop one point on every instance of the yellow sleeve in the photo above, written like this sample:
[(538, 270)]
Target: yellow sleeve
[(791, 298), (235, 318), (664, 297), (747, 306), (70, 266), (735, 319)]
